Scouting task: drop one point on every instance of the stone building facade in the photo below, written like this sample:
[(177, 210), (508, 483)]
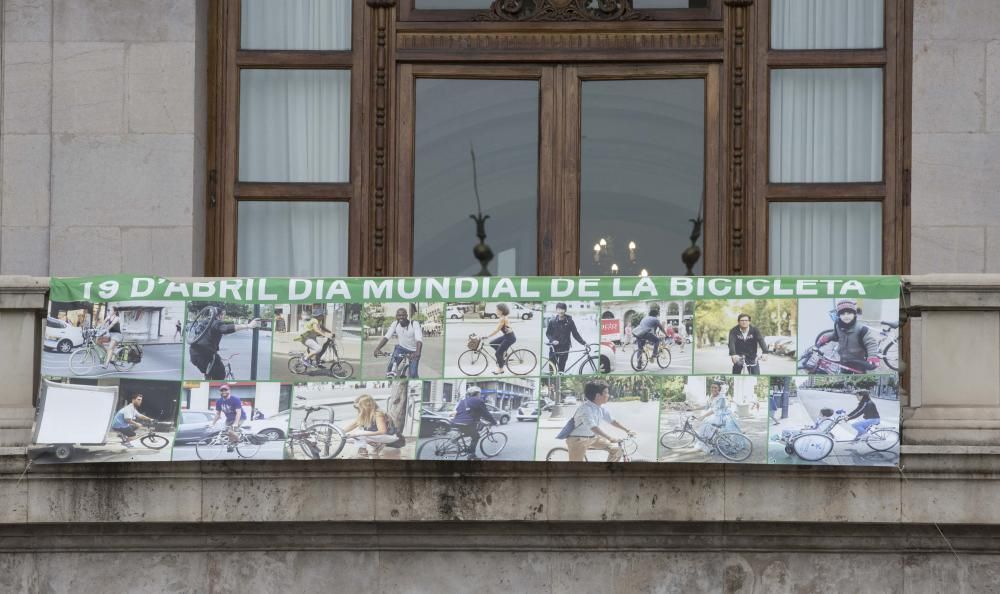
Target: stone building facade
[(105, 126)]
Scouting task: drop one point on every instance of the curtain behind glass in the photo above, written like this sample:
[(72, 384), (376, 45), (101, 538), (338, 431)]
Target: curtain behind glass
[(826, 125), (843, 238), (295, 24), (826, 24), (295, 125), (292, 239)]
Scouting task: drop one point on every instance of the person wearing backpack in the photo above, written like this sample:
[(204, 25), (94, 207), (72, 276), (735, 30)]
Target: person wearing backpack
[(856, 345), (372, 428), (584, 429)]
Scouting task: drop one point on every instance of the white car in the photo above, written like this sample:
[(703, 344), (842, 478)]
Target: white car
[(273, 428), (60, 336), (516, 311), (454, 312)]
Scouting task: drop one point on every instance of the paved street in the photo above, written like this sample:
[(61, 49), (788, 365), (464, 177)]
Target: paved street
[(528, 333), (239, 344), (348, 345), (113, 451), (430, 358), (753, 426), (716, 360), (640, 417), (159, 362), (272, 450), (680, 362), (803, 411), (520, 441)]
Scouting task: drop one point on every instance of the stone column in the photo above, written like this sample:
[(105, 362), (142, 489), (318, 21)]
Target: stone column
[(22, 306)]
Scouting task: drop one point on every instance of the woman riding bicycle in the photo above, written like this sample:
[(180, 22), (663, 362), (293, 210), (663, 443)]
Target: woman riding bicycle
[(502, 343), (868, 412), (718, 417), (372, 427), (311, 331), (113, 328)]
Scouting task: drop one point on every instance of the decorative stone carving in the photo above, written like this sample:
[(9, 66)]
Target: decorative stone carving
[(561, 10)]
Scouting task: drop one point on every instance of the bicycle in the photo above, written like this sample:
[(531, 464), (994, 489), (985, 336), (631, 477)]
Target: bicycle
[(731, 445), (475, 361), (212, 447), (641, 357), (815, 361), (629, 447), (322, 439), (85, 358), (151, 439), (332, 364), (746, 364), (455, 443), (400, 366), (814, 445), (589, 363), (888, 343)]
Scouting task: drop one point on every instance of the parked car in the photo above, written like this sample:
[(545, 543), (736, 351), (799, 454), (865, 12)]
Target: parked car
[(454, 312), (193, 426), (569, 400), (433, 422), (502, 416), (60, 336), (528, 412), (607, 356), (516, 311), (274, 428)]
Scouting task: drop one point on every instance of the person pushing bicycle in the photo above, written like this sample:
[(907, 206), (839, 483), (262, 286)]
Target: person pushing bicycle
[(124, 421), (470, 412), (743, 342), (559, 331)]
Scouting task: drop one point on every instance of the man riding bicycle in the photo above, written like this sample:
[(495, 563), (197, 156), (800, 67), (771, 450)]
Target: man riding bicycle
[(124, 421), (743, 342), (204, 350), (411, 342), (558, 332), (311, 331), (472, 411), (646, 330), (232, 407)]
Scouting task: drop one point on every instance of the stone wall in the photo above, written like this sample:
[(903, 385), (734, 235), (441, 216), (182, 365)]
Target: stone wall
[(956, 136), (103, 136)]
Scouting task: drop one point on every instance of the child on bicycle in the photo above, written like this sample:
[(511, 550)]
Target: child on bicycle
[(824, 422), (855, 343), (587, 420)]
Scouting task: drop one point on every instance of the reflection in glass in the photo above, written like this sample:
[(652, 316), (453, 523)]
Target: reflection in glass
[(819, 238), (500, 119), (295, 125), (827, 24), (291, 239), (642, 174), (295, 24), (452, 4)]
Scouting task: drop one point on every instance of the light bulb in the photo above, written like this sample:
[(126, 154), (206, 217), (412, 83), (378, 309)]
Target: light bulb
[(643, 272), (614, 269)]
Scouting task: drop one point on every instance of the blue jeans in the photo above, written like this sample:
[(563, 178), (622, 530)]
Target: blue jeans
[(640, 341), (862, 425), (397, 354)]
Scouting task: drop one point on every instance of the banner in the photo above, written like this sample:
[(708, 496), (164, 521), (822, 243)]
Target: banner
[(753, 370)]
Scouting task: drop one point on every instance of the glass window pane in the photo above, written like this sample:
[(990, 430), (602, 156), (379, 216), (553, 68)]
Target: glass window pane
[(295, 24), (499, 118), (452, 4), (291, 239), (827, 24), (826, 125), (641, 4), (820, 238), (642, 174), (295, 125)]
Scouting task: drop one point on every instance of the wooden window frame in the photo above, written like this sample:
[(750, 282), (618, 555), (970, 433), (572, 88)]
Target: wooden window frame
[(408, 12)]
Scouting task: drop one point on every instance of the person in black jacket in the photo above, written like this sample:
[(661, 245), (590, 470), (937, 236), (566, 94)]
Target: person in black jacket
[(204, 349), (558, 332), (867, 411), (470, 412), (743, 342)]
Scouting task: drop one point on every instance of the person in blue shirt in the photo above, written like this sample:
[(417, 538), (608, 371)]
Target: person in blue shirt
[(124, 421), (232, 407), (472, 411)]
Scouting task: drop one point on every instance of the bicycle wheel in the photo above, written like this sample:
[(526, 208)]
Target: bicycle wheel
[(881, 440), (677, 439), (328, 438), (638, 360), (733, 446), (309, 449), (296, 366), (83, 361), (472, 362), (890, 354), (439, 448), (493, 444), (557, 455), (341, 369), (813, 446), (590, 366), (521, 361), (154, 442), (663, 358), (247, 448), (120, 360), (211, 448), (549, 367)]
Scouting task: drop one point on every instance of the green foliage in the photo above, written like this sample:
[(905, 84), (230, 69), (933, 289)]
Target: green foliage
[(773, 317)]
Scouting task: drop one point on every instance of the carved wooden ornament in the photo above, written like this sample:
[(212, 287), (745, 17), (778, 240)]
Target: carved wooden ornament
[(561, 10)]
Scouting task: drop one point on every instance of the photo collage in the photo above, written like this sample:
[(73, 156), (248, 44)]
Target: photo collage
[(754, 381)]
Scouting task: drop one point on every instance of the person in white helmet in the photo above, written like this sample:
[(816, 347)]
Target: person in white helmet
[(469, 413)]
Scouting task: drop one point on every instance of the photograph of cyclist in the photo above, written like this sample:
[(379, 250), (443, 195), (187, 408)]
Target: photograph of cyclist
[(217, 416), (623, 409), (836, 420), (354, 420), (745, 336), (134, 339), (139, 425), (569, 329), (319, 341), (848, 336), (714, 419), (470, 413), (646, 336), (500, 339), (414, 333), (222, 340)]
